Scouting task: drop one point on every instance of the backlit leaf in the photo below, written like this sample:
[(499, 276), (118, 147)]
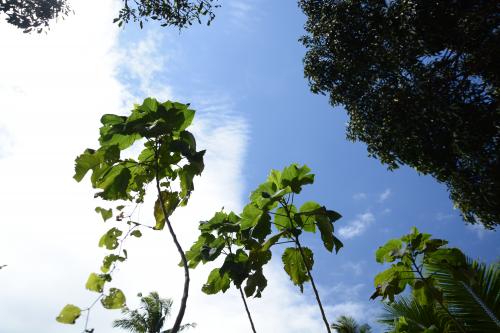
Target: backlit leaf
[(114, 300), (295, 265), (69, 314)]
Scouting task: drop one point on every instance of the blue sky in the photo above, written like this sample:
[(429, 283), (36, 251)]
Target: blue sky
[(255, 112)]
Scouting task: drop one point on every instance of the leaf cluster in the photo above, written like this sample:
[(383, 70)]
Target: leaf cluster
[(269, 219), (178, 13), (33, 15), (408, 255)]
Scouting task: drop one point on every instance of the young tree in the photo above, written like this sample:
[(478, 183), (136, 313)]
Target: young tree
[(271, 218), (169, 160), (460, 294), (420, 82)]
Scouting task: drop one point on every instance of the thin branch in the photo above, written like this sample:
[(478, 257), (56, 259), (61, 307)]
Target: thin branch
[(248, 311), (316, 293), (182, 309)]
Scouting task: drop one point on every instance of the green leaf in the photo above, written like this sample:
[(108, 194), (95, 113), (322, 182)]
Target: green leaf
[(326, 229), (250, 216), (112, 119), (295, 265), (452, 256), (115, 183), (393, 281), (136, 233), (296, 177), (85, 162), (281, 217), (69, 314), (216, 282), (109, 260), (110, 239), (256, 283), (170, 202), (115, 299), (95, 283), (105, 213), (390, 251)]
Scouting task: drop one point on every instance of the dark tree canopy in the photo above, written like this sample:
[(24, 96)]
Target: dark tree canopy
[(30, 15), (420, 81), (35, 15)]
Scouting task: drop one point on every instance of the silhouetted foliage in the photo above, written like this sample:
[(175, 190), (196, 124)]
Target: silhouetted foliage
[(30, 15), (420, 81), (35, 15)]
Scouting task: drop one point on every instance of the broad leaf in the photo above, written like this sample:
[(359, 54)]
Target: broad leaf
[(69, 314), (110, 239), (114, 300), (216, 282), (295, 265), (95, 283)]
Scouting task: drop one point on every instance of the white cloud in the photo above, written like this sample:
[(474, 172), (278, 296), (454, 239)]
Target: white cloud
[(478, 229), (242, 14), (355, 267), (359, 196), (384, 195), (54, 88), (358, 226)]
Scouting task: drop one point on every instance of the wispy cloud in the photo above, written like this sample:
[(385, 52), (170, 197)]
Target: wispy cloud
[(478, 229), (243, 13), (384, 195), (358, 226), (359, 196), (355, 267)]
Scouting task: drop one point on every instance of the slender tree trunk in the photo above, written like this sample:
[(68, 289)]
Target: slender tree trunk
[(182, 309), (247, 310), (316, 293)]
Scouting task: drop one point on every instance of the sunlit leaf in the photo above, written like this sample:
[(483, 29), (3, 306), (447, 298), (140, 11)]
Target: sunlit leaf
[(69, 314)]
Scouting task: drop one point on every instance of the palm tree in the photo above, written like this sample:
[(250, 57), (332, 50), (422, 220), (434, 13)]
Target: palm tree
[(150, 317), (417, 317), (347, 324), (471, 295)]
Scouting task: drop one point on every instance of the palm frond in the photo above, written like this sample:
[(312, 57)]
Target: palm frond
[(471, 293), (419, 317)]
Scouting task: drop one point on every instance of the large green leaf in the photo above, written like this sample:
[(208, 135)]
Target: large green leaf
[(95, 283), (390, 251), (256, 283), (170, 202), (296, 177), (216, 282), (69, 314), (109, 260), (114, 300), (295, 265), (110, 239)]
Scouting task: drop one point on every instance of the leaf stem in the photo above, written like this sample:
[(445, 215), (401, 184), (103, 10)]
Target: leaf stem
[(316, 293), (185, 293), (247, 310)]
